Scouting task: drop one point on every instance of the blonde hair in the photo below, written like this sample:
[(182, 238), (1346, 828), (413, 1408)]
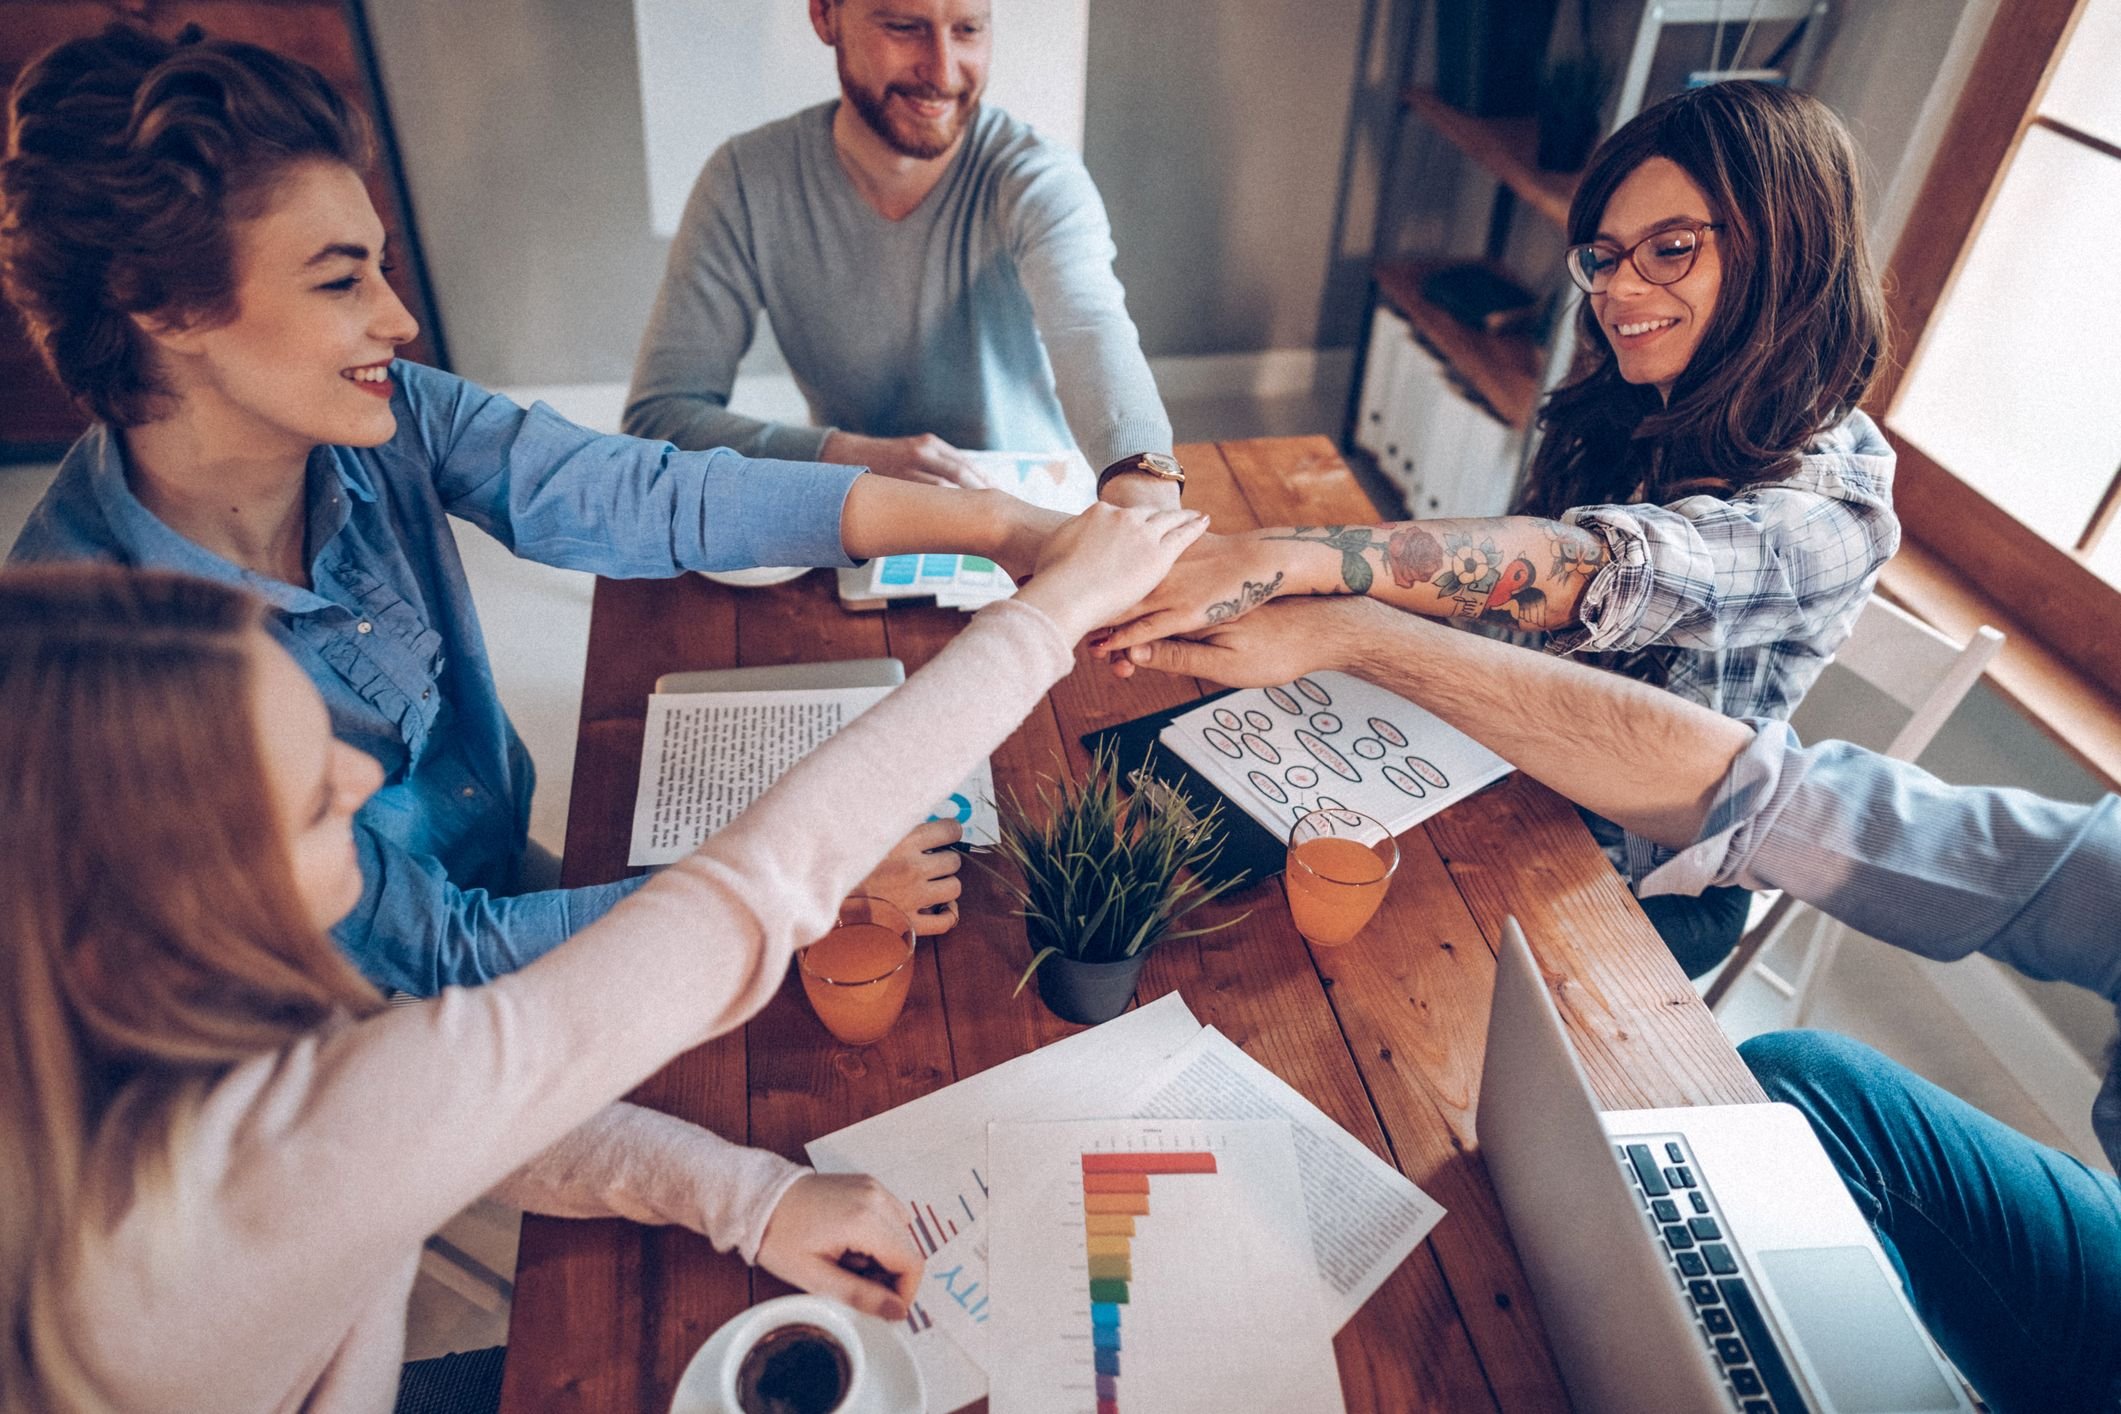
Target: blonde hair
[(151, 934)]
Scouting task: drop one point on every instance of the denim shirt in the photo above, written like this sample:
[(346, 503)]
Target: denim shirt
[(390, 636), (1940, 870)]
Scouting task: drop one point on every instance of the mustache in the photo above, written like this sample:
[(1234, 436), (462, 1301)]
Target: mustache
[(924, 94)]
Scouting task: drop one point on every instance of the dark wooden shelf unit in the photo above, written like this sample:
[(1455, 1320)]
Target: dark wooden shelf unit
[(1507, 147)]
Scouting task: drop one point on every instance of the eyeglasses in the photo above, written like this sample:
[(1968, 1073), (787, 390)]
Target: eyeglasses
[(1662, 258)]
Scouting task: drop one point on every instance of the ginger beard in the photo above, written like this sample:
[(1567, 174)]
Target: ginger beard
[(913, 120)]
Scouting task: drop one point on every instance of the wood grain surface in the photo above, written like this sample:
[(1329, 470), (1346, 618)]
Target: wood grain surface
[(1385, 1035)]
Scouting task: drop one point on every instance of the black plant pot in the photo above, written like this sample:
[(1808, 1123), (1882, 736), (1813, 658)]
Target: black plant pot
[(1088, 992)]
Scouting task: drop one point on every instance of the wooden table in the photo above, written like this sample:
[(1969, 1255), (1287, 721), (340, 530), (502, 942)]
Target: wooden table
[(1384, 1035)]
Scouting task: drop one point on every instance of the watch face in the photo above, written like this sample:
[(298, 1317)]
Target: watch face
[(1162, 465)]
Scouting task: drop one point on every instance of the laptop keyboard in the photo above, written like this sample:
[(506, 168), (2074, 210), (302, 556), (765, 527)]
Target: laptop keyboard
[(1690, 1229)]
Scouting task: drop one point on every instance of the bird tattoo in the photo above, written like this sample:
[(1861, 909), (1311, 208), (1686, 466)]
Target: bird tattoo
[(1514, 595)]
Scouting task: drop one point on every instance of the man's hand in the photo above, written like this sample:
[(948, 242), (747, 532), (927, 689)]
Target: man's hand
[(830, 1226), (921, 873), (1279, 643), (926, 458)]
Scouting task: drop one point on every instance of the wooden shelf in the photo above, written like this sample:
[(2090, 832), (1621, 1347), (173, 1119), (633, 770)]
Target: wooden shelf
[(1503, 369), (1507, 147)]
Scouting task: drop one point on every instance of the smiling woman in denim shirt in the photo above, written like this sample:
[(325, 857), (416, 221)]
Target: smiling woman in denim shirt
[(187, 236)]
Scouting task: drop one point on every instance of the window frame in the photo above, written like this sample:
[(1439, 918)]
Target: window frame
[(2045, 590)]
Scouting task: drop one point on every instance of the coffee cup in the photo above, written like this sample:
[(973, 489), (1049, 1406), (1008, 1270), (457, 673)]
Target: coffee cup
[(797, 1355)]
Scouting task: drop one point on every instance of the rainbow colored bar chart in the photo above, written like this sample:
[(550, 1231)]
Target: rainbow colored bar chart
[(1152, 1267), (1115, 1193)]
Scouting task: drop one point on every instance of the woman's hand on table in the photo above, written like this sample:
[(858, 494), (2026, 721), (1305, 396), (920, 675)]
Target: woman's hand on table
[(1096, 568), (921, 873), (844, 1236)]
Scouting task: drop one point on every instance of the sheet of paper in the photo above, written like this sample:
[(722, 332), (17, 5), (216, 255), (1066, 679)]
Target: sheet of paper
[(1058, 481), (954, 1295), (931, 1152), (1365, 1215), (706, 756), (1085, 1076), (1153, 1265), (1330, 740)]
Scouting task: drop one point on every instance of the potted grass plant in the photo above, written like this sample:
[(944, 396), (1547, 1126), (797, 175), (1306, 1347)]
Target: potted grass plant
[(1101, 878)]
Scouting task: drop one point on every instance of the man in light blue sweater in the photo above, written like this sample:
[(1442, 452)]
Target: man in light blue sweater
[(938, 275)]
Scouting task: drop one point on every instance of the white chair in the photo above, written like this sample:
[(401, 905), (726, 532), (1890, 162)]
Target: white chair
[(1923, 672)]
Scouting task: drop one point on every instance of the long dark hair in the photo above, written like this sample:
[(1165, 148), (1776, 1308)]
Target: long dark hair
[(1798, 330), (129, 160)]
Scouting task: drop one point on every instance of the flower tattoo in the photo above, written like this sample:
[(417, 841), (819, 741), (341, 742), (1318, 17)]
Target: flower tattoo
[(1413, 556), (1470, 567)]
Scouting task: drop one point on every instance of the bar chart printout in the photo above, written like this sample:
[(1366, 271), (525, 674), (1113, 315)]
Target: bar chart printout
[(1153, 1267)]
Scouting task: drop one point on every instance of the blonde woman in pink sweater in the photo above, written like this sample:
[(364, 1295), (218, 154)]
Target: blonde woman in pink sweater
[(219, 1153)]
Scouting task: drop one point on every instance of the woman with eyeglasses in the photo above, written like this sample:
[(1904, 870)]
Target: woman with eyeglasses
[(1708, 508)]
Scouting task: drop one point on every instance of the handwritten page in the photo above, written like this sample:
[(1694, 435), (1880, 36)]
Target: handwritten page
[(1331, 741), (708, 755)]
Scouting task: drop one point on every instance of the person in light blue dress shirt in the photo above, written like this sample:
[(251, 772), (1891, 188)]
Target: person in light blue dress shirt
[(2010, 1250), (254, 426)]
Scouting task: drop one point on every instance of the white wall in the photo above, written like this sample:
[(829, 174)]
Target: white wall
[(1217, 134), (714, 68)]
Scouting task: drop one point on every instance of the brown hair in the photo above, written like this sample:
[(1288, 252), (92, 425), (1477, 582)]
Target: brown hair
[(151, 934), (1798, 330), (129, 160)]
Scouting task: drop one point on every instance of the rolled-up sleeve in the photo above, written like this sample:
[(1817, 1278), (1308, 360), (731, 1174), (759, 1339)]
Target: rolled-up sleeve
[(1938, 869), (564, 495), (1772, 563)]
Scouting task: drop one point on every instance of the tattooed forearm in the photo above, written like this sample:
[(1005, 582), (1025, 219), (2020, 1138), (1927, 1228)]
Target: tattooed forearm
[(1249, 598), (1354, 542), (1578, 554), (1485, 570)]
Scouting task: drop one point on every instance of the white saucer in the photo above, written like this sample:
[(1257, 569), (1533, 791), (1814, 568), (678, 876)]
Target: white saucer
[(756, 578), (893, 1384)]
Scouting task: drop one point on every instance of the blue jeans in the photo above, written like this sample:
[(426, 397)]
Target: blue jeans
[(2010, 1250)]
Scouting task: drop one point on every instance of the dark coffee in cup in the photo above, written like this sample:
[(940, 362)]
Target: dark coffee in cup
[(798, 1369)]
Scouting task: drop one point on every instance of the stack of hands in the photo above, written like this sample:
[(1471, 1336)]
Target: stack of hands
[(1149, 588)]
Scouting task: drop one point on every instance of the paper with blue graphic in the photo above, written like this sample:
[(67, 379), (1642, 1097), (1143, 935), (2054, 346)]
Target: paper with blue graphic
[(708, 755)]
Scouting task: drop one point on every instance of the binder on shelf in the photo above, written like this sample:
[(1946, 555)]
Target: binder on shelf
[(1414, 398), (1389, 339)]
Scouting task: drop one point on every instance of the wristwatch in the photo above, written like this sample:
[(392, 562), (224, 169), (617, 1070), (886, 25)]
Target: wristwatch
[(1156, 464)]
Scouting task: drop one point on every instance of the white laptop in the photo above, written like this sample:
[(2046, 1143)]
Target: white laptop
[(1703, 1258)]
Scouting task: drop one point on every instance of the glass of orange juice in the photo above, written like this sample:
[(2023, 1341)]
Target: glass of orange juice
[(857, 975), (1340, 864)]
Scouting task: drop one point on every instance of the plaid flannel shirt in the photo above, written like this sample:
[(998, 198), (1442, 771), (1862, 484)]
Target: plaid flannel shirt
[(1739, 603)]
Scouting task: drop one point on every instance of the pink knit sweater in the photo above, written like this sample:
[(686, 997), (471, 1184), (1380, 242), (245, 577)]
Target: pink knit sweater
[(269, 1269)]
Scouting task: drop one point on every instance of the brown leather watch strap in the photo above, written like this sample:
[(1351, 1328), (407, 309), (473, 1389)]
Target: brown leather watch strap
[(1160, 465)]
